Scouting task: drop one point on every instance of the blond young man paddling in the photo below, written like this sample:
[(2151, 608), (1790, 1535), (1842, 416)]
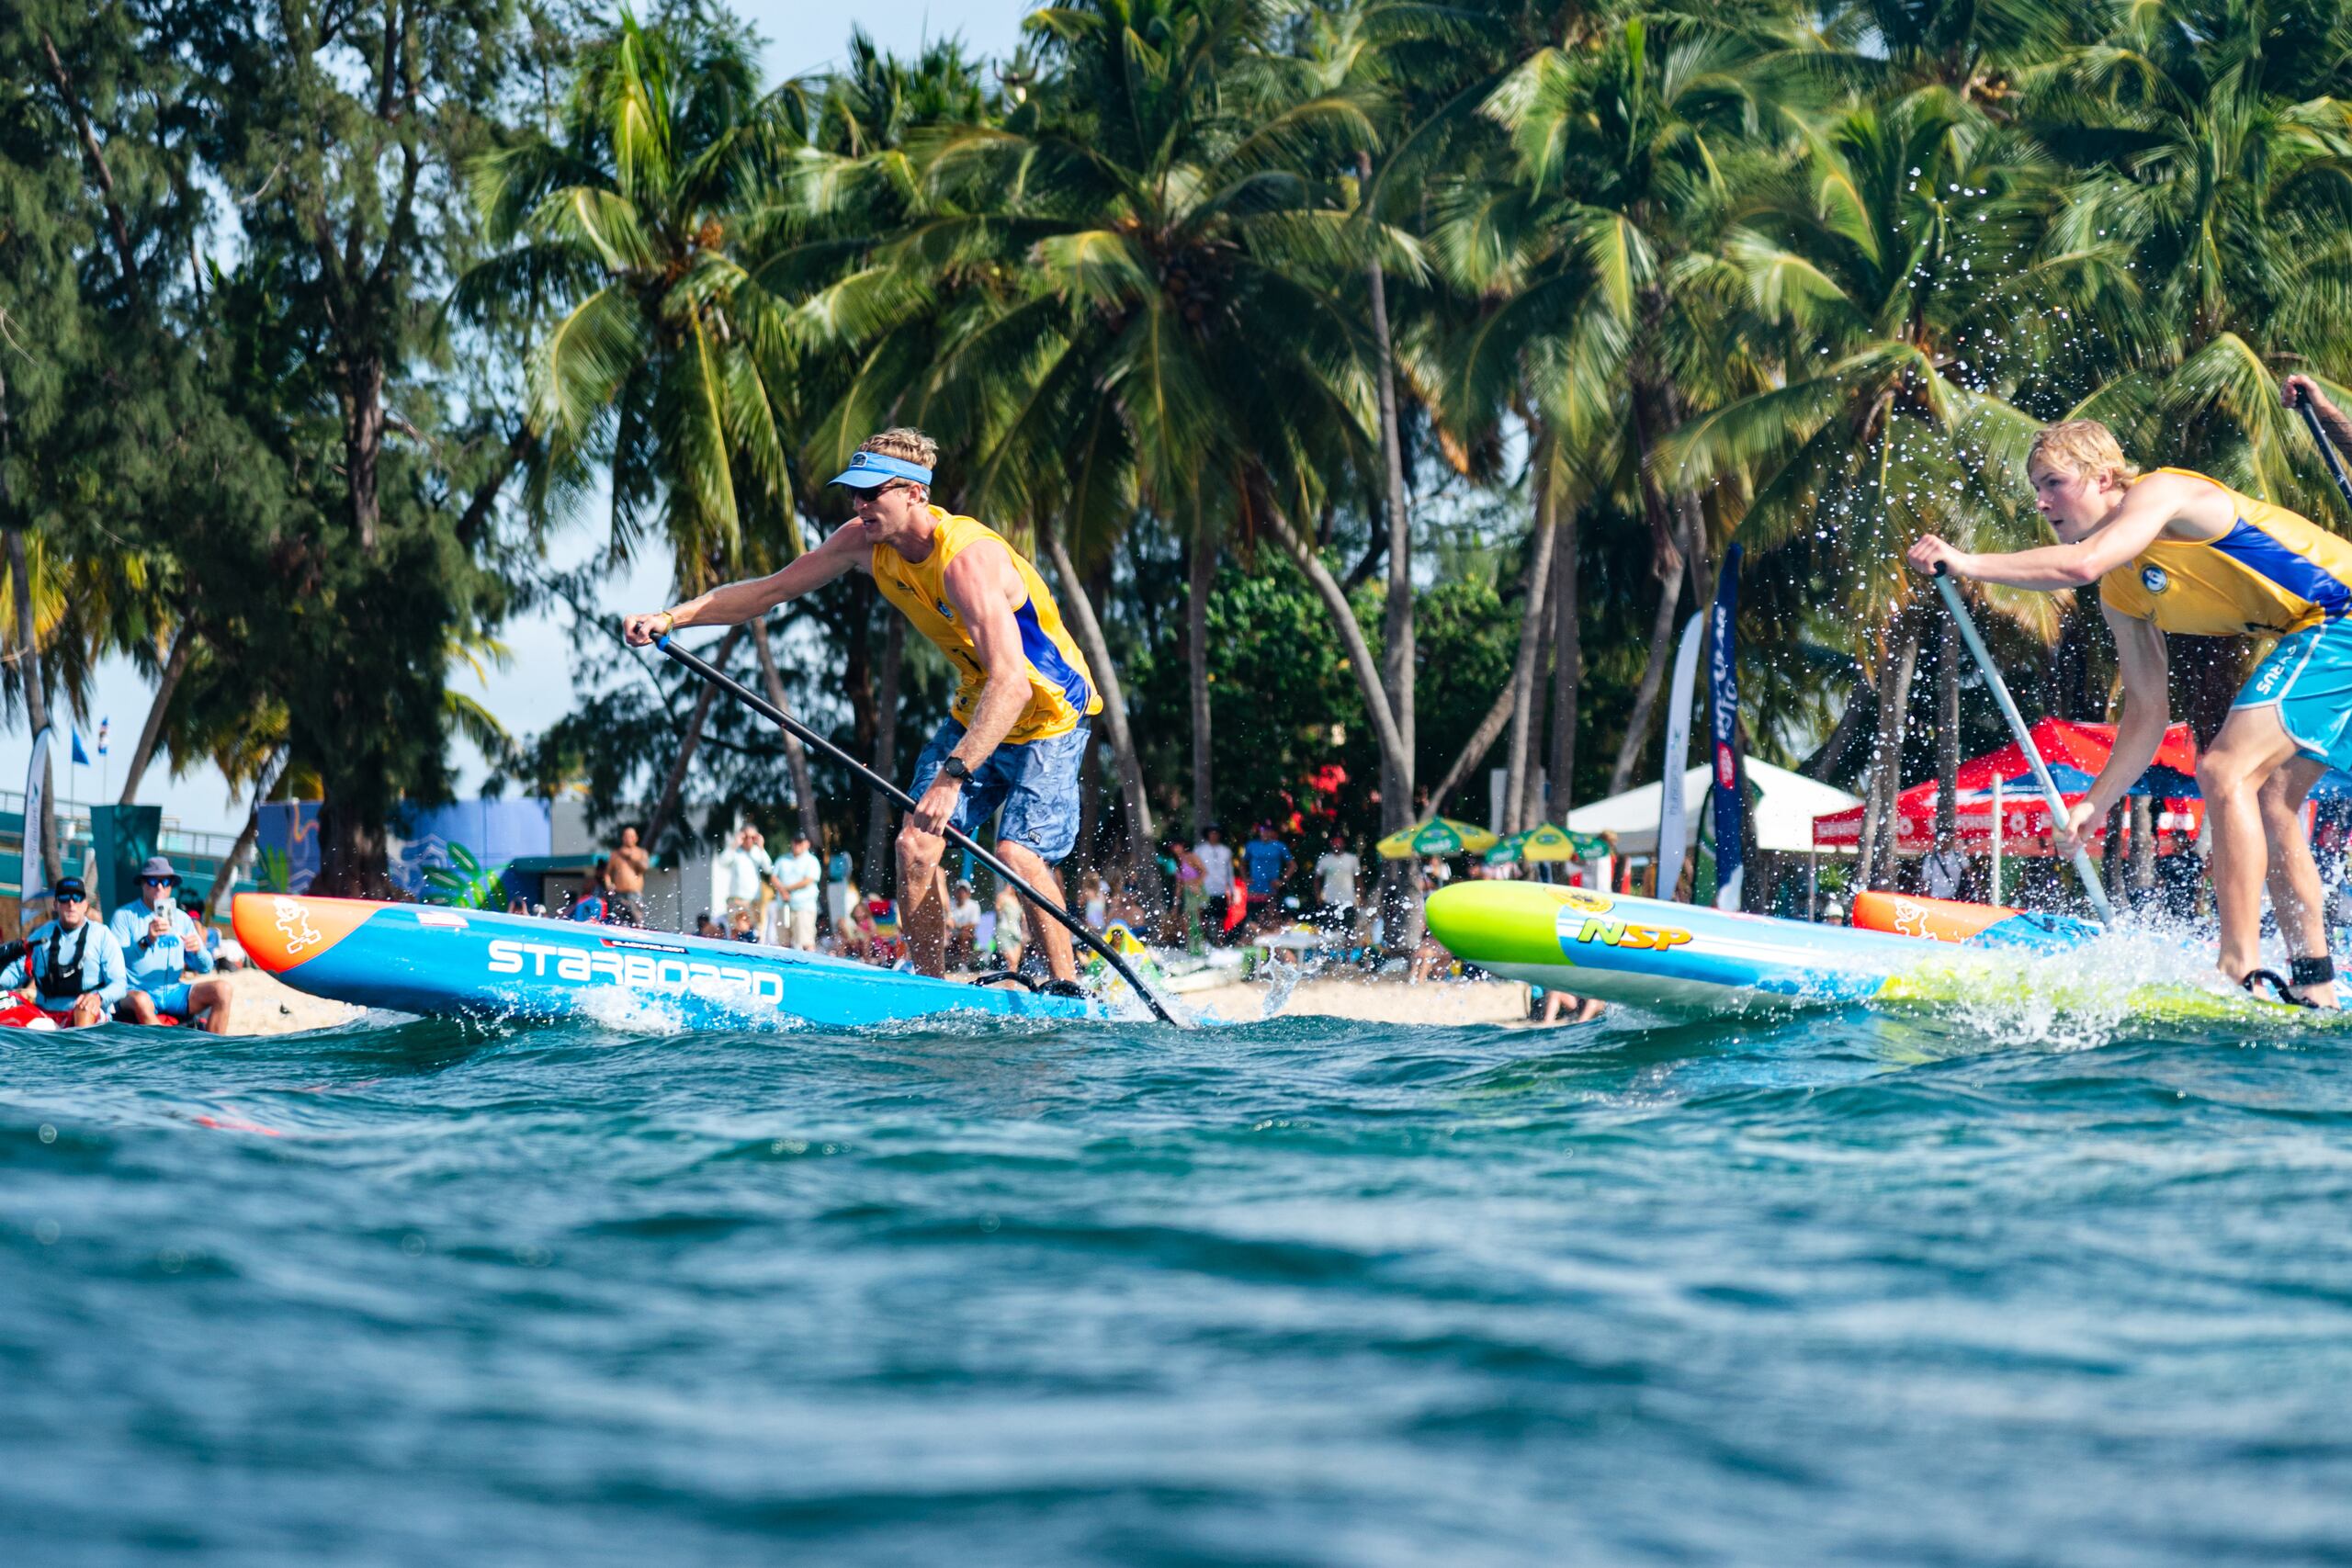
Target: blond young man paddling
[(1019, 725), (2177, 551)]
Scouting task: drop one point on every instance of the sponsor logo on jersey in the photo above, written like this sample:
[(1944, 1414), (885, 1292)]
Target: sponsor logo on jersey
[(2154, 580)]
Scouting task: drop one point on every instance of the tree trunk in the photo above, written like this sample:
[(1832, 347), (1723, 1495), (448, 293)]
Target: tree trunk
[(1637, 724), (796, 755), (1830, 756), (1894, 706), (1567, 666), (1948, 652), (36, 699), (263, 785), (1401, 889), (363, 442), (674, 785), (1401, 895), (1499, 714), (1202, 575), (355, 861), (151, 732), (1532, 781), (1518, 770), (1080, 606), (878, 858)]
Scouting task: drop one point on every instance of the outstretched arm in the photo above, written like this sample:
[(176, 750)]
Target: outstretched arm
[(2298, 390), (2138, 521), (739, 602)]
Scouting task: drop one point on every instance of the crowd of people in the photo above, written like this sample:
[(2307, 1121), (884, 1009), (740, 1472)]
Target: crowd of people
[(155, 962)]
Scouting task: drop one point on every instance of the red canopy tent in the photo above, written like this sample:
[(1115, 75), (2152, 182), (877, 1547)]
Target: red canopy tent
[(2074, 752)]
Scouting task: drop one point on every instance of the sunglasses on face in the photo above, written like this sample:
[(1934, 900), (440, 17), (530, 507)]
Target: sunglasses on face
[(72, 897), (156, 881)]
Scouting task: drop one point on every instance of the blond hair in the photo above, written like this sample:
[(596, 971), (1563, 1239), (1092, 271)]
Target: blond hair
[(906, 444), (2081, 448)]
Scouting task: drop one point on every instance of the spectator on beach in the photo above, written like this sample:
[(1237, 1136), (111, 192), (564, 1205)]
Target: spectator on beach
[(740, 927), (736, 875), (886, 941), (590, 906), (1941, 870), (72, 966), (856, 929), (796, 879), (1098, 903), (518, 904), (1267, 863), (963, 927), (1186, 867), (1336, 871), (837, 891), (707, 927), (159, 946), (625, 871), (1217, 880), (1011, 928), (1126, 909)]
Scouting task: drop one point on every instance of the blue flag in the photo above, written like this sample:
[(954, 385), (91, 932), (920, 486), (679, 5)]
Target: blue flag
[(1723, 691), (79, 755)]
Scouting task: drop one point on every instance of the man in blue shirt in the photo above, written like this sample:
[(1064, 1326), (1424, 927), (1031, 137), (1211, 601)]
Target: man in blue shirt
[(72, 966), (161, 944), (1268, 862)]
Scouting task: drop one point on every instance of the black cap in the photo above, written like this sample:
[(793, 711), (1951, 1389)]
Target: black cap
[(69, 885)]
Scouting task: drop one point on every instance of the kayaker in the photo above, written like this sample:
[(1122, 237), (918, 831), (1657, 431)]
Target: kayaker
[(1020, 723), (160, 945), (2177, 551), (72, 966)]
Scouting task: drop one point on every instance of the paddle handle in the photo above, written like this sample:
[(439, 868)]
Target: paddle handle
[(2050, 790), (776, 715), (2326, 447)]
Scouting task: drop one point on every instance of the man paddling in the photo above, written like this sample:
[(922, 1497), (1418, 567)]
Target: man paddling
[(2177, 551), (1019, 725)]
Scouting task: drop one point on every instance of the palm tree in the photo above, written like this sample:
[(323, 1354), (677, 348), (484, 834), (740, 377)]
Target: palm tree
[(1164, 337), (1898, 252), (626, 217)]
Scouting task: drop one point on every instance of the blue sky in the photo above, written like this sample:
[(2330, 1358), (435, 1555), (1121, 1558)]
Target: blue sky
[(537, 689)]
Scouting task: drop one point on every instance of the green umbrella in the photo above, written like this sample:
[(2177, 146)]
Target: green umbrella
[(1544, 841), (1439, 836)]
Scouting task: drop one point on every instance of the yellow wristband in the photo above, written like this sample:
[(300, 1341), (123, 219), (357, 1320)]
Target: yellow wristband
[(668, 623)]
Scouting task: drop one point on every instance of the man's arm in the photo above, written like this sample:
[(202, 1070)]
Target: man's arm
[(738, 602), (2139, 728), (193, 953), (2148, 509), (981, 584), (2299, 388), (114, 974)]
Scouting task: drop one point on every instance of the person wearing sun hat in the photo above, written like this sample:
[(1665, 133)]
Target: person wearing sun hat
[(72, 966), (1019, 725), (161, 944)]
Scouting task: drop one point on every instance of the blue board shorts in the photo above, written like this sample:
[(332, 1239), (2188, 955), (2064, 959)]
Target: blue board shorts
[(1035, 781), (170, 999), (2308, 678)]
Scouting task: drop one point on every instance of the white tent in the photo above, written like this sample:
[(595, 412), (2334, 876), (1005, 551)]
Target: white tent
[(1786, 805)]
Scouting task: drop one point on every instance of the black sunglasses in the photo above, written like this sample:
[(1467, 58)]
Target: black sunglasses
[(158, 881), (73, 898)]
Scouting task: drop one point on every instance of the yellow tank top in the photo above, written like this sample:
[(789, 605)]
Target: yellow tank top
[(1061, 689), (2275, 570)]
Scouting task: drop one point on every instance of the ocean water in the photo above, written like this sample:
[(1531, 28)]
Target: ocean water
[(1842, 1288)]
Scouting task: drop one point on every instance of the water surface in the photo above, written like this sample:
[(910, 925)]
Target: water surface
[(1840, 1288)]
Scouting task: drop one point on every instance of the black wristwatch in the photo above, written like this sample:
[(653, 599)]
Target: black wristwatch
[(957, 769)]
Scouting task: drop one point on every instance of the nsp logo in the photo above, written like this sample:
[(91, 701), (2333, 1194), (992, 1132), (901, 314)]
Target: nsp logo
[(1627, 934)]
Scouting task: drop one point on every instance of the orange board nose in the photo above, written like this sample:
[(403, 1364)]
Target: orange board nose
[(278, 931), (1939, 920)]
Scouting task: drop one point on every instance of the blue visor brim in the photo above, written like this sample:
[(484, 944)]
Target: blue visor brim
[(871, 471)]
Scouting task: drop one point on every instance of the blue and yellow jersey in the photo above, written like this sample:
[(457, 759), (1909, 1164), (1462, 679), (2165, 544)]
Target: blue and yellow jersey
[(1061, 689), (2275, 570)]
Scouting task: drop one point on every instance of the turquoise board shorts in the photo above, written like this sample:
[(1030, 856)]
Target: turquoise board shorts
[(170, 999), (1035, 781), (2308, 678)]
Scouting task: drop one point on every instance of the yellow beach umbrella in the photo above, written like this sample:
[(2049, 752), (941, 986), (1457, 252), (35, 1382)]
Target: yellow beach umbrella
[(1439, 836)]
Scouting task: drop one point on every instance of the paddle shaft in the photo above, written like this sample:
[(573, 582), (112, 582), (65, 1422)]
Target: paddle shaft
[(2326, 447), (2050, 790), (785, 721)]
